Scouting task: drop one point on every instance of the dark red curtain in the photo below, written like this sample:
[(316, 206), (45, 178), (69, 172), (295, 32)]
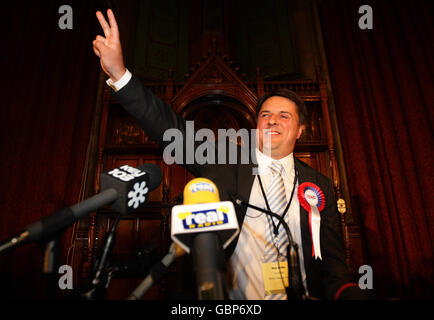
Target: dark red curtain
[(382, 83), (49, 84)]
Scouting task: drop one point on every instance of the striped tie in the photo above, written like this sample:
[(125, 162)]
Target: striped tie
[(276, 197)]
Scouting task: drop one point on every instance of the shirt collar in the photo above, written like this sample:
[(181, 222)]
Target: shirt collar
[(265, 161)]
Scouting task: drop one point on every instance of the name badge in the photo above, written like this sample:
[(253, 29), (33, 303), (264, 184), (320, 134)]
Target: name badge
[(275, 276)]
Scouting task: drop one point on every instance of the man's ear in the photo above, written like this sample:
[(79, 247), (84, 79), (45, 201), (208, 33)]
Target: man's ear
[(300, 130)]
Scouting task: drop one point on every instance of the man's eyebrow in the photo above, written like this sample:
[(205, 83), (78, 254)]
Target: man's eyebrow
[(280, 112)]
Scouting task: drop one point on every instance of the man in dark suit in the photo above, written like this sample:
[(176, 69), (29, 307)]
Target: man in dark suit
[(284, 185)]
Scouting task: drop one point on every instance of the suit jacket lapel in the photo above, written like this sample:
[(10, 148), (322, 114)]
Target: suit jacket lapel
[(245, 178), (304, 176), (243, 182)]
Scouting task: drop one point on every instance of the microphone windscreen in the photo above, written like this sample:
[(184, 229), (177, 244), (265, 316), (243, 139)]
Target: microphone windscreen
[(201, 190), (154, 173)]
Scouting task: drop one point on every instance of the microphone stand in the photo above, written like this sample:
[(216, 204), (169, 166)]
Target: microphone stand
[(155, 274), (208, 262), (102, 277), (50, 252), (295, 290)]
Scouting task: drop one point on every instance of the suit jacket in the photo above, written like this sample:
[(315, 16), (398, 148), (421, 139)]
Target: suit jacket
[(327, 278)]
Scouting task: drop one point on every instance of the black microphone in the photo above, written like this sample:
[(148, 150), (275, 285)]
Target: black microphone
[(101, 278), (132, 185), (124, 189), (156, 273), (295, 291)]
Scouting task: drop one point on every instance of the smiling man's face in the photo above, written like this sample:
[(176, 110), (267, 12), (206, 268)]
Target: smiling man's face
[(278, 124)]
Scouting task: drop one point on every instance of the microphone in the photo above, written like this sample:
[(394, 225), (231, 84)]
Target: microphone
[(204, 226), (295, 291), (132, 185), (133, 177), (124, 189), (156, 273)]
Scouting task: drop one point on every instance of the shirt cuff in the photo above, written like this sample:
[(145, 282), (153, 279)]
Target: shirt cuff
[(122, 82)]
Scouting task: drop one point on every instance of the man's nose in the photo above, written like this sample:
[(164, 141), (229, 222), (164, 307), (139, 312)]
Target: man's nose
[(272, 120)]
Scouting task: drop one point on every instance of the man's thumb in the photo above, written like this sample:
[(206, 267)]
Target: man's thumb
[(100, 46)]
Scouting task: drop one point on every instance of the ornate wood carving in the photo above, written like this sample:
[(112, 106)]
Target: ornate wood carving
[(215, 76), (121, 141)]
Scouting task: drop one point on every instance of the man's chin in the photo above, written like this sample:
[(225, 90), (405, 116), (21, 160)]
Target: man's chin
[(271, 141), (268, 151)]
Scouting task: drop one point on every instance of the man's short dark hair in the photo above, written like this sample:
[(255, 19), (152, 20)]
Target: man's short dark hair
[(291, 95)]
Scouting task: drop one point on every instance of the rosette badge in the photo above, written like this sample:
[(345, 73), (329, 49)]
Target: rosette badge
[(313, 201)]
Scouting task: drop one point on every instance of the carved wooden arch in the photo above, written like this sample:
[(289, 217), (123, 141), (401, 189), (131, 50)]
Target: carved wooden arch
[(244, 109), (214, 76)]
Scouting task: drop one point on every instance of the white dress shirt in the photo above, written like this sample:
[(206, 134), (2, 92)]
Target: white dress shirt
[(245, 263), (118, 85)]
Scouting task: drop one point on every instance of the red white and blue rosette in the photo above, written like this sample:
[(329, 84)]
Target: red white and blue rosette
[(312, 200)]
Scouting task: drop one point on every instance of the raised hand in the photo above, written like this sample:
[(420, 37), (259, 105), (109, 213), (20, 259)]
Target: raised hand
[(109, 48)]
